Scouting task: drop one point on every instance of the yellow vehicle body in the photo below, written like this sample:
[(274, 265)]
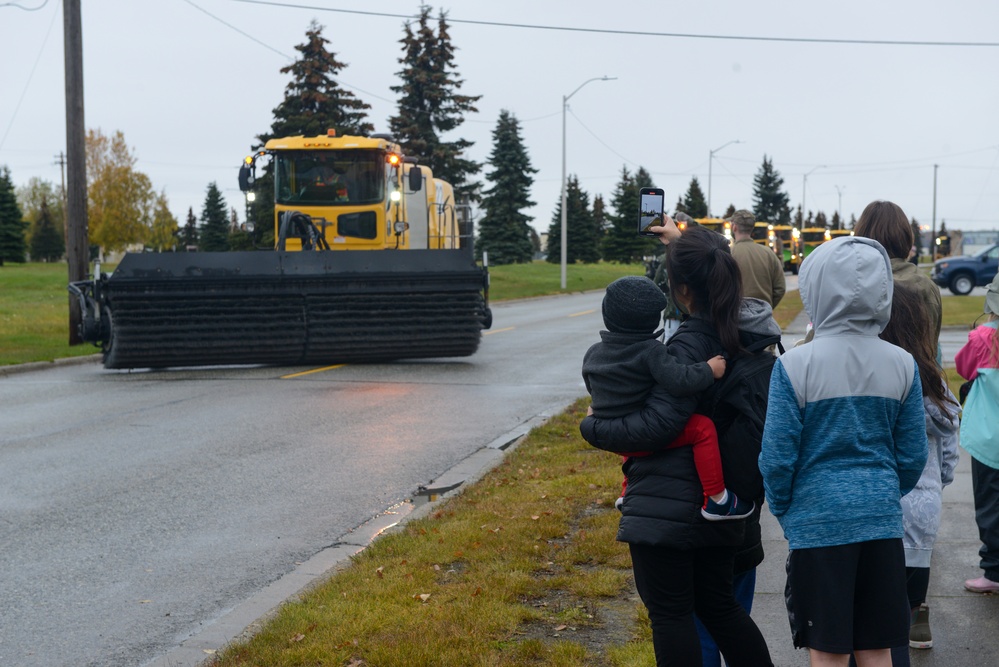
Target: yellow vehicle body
[(790, 242), (723, 227), (356, 190), (812, 238)]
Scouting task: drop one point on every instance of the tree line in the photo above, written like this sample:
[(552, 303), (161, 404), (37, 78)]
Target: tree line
[(124, 210)]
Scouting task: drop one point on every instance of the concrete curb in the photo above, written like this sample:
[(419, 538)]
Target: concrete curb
[(42, 365)]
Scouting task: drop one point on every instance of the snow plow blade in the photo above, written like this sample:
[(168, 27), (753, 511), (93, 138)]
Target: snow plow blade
[(285, 308)]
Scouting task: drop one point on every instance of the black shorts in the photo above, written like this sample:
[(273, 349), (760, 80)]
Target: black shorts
[(848, 597)]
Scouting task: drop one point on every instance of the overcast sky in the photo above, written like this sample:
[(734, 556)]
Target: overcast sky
[(190, 83)]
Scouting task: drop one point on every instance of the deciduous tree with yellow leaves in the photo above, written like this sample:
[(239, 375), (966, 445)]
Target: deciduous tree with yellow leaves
[(120, 198)]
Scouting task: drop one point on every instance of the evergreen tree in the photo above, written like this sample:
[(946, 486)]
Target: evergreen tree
[(730, 211), (313, 100), (820, 220), (768, 198), (853, 221), (622, 243), (46, 241), (430, 106), (214, 222), (504, 231), (694, 203), (580, 229), (680, 207), (600, 221), (836, 222), (29, 198), (797, 217), (917, 237), (313, 103), (189, 234), (12, 225)]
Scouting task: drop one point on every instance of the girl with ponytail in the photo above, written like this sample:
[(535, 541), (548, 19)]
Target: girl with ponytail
[(680, 560)]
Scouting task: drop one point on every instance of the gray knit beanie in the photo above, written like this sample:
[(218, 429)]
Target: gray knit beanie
[(633, 304)]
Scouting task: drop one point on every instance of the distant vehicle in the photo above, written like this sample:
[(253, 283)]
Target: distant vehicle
[(790, 241), (812, 238), (723, 227), (835, 233), (963, 273)]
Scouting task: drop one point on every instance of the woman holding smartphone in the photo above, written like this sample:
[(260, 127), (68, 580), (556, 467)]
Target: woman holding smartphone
[(682, 563)]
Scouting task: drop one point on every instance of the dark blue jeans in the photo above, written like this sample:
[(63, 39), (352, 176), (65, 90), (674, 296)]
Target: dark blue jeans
[(674, 585), (744, 587)]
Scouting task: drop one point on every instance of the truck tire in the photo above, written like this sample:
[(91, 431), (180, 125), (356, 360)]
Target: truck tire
[(962, 284)]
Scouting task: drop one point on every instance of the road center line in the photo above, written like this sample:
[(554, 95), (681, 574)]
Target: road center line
[(486, 333), (585, 312), (314, 370)]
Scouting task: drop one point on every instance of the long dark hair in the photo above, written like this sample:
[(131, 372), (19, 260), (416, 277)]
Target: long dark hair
[(909, 327), (885, 222), (701, 261)]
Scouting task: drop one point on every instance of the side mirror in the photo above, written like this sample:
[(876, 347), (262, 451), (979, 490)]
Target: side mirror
[(415, 179), (245, 177)]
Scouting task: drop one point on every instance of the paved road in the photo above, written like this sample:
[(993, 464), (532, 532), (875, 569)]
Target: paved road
[(136, 509)]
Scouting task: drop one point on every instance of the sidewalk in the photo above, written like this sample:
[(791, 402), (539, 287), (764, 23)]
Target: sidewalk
[(965, 625)]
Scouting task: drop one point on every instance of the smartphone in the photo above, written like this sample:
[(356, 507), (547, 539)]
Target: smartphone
[(652, 209)]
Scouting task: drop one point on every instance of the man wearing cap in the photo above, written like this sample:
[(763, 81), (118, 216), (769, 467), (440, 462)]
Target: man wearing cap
[(762, 273)]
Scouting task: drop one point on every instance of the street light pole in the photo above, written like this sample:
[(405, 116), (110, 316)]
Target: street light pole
[(839, 213), (711, 155), (804, 180), (565, 105)]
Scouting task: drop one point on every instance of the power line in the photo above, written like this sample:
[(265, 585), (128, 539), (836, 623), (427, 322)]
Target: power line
[(639, 33), (27, 9), (31, 76)]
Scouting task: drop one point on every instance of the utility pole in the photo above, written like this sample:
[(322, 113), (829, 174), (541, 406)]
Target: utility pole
[(839, 207), (77, 245), (61, 161), (933, 228)]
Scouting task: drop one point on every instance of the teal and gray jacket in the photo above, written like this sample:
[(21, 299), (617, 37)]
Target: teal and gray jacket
[(845, 436)]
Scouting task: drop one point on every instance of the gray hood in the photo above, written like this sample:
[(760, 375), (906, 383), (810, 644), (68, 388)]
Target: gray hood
[(844, 281), (756, 316)]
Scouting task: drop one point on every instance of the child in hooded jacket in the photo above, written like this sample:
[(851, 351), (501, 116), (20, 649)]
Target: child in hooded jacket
[(621, 370), (844, 439)]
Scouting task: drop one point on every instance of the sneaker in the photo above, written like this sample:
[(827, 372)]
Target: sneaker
[(618, 503), (982, 585), (733, 508), (919, 628)]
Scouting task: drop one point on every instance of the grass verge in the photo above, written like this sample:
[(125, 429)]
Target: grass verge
[(521, 568)]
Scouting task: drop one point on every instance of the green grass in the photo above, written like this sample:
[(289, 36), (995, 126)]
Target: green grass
[(521, 568), (962, 310), (34, 314), (517, 281)]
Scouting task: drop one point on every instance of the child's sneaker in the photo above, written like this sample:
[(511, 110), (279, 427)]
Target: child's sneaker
[(919, 628), (618, 503), (732, 508)]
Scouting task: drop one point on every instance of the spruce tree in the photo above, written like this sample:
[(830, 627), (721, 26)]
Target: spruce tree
[(189, 233), (820, 220), (313, 103), (694, 203), (46, 241), (729, 212), (313, 100), (836, 222), (12, 225), (768, 198), (917, 237), (504, 231), (430, 106), (214, 236), (622, 243), (580, 229)]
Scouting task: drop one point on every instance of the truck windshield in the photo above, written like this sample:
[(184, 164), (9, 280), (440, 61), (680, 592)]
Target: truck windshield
[(330, 178)]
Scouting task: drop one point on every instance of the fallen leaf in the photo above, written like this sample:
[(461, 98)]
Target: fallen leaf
[(478, 590), (209, 651), (560, 628), (145, 601), (422, 597), (297, 638), (535, 517), (437, 567), (380, 572)]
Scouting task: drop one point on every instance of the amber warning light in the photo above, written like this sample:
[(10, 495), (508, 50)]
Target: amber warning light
[(393, 158)]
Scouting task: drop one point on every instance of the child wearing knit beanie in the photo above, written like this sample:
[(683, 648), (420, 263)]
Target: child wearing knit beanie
[(621, 370)]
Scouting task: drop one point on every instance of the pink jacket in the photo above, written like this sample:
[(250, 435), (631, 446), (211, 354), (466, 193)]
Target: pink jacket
[(977, 352)]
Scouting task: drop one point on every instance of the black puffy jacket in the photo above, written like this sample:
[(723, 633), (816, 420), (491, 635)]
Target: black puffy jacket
[(664, 495)]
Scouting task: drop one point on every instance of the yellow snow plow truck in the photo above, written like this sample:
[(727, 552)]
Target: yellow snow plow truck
[(371, 263)]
